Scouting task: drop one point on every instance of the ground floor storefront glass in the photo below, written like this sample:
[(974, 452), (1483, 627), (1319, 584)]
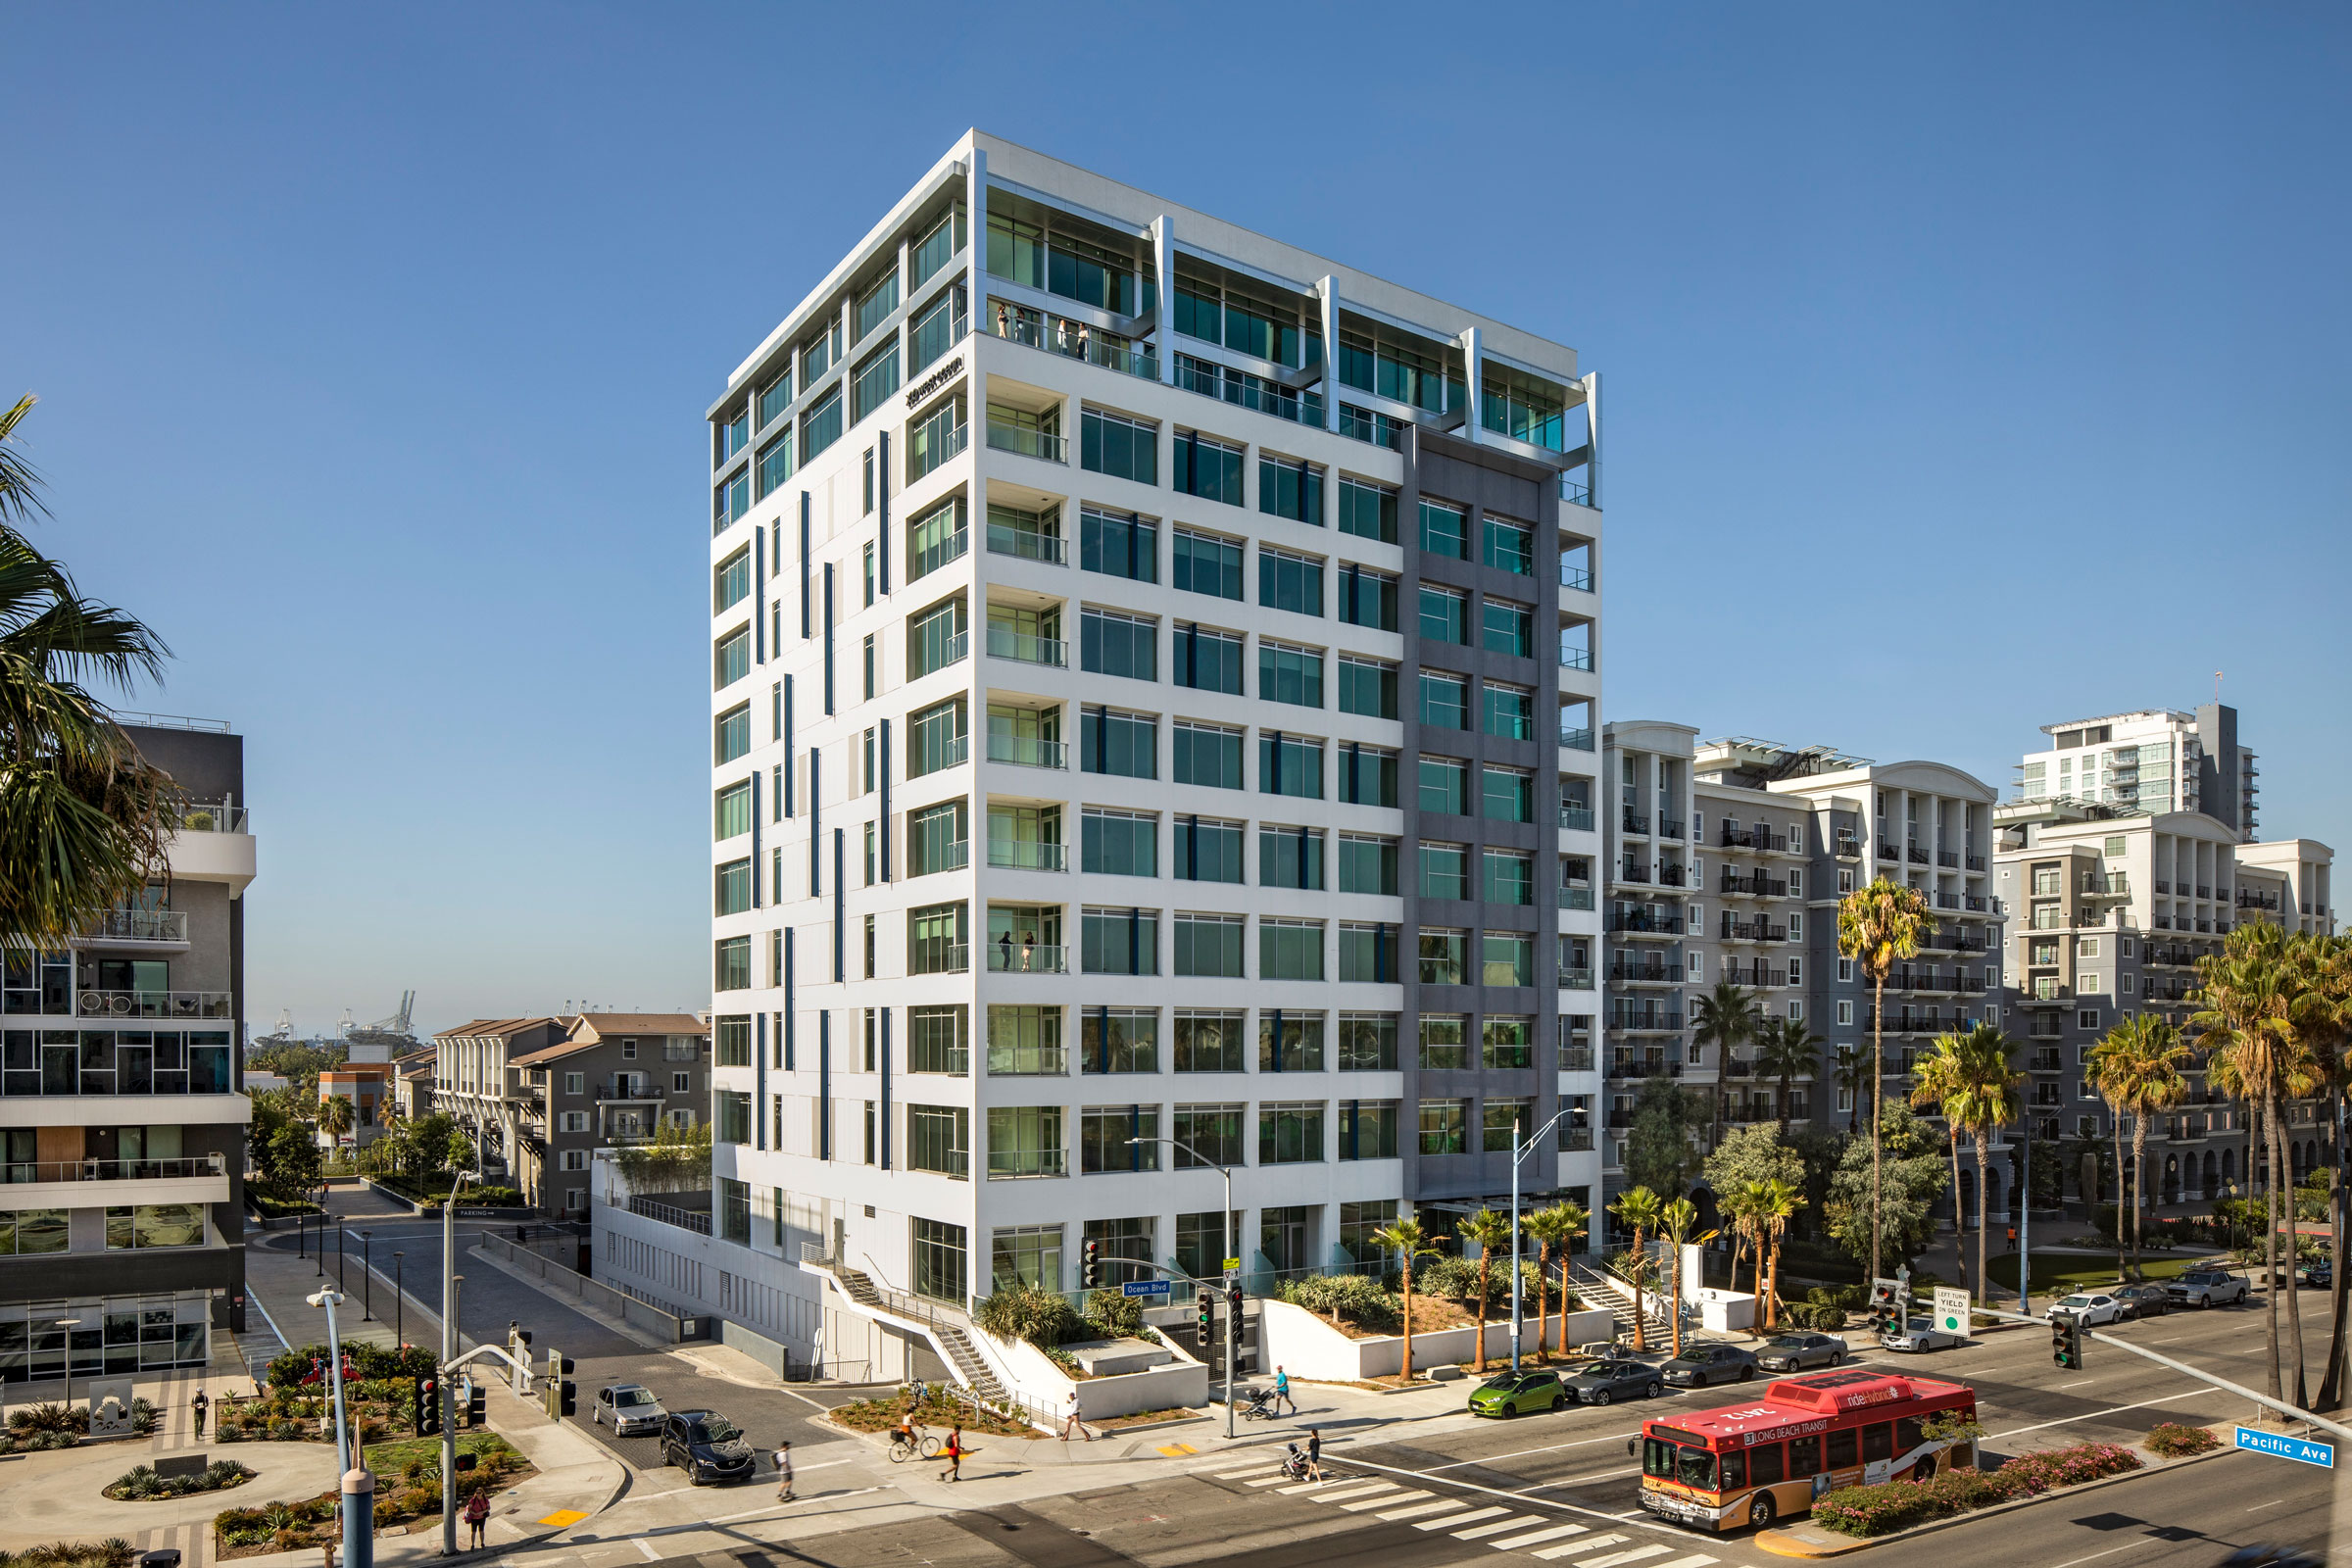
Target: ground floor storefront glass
[(111, 1336)]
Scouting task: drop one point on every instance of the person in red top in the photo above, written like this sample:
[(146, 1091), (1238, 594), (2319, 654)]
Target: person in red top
[(953, 1454), (478, 1517)]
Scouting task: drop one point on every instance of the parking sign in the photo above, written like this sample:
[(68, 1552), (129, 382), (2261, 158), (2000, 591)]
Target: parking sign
[(1951, 1309)]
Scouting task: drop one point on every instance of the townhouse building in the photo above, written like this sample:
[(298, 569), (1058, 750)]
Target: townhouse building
[(122, 1235), (1162, 779)]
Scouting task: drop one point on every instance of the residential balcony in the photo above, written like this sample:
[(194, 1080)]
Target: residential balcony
[(212, 816), (1022, 648), (922, 563), (1644, 923), (1575, 897), (1644, 1020), (1576, 740), (1576, 1140), (1575, 492), (129, 927), (1655, 974), (1669, 828), (1574, 576), (1078, 345), (629, 1090), (1976, 902), (1754, 885), (932, 452), (1578, 817), (115, 1183), (1028, 443), (1887, 851), (1916, 854), (1027, 854), (936, 956), (1757, 838), (2045, 1062), (1576, 658), (1635, 822), (1932, 1022), (1022, 751), (2111, 885), (1975, 863), (1006, 957), (1738, 930), (2257, 901), (1576, 979), (153, 1005), (1756, 974), (1576, 1058), (1630, 874), (1947, 901), (1848, 849), (1643, 1067), (951, 856), (1676, 876), (1249, 391), (2045, 992), (1025, 544), (1734, 1068)]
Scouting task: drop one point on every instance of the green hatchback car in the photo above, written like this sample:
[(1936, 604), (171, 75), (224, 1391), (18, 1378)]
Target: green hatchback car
[(1516, 1393)]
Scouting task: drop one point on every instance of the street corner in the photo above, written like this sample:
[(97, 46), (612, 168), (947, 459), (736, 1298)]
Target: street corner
[(1804, 1541)]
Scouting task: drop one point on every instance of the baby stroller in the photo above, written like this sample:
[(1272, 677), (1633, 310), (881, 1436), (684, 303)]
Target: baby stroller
[(1260, 1406), (1294, 1465)]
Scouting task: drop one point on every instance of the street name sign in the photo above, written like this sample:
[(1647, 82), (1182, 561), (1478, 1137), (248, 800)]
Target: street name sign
[(1143, 1288), (2281, 1446)]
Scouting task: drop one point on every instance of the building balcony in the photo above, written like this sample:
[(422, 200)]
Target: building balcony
[(1669, 828), (1848, 849), (1015, 957), (1630, 873), (1025, 544), (1027, 854), (1974, 862), (1756, 885), (166, 929), (1947, 901), (1976, 902), (1574, 576), (1575, 897), (1646, 923), (1754, 975), (952, 855), (1249, 391), (1757, 838), (1949, 859), (934, 956), (1887, 851), (1654, 974), (1021, 648), (1576, 1058), (1915, 855), (2045, 1062), (1908, 1023), (153, 1005), (1577, 739), (1062, 338), (1575, 492), (1676, 876), (1576, 1140), (1737, 930), (629, 1091), (1022, 751), (113, 1183), (1644, 1020), (2257, 901), (1576, 979), (1028, 443), (1576, 818), (931, 453), (1634, 822), (921, 563), (1623, 1066)]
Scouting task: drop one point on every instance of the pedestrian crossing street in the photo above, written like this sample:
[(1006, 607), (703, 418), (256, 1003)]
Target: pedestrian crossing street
[(1543, 1536)]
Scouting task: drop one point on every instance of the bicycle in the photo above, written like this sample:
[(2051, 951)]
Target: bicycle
[(923, 1446)]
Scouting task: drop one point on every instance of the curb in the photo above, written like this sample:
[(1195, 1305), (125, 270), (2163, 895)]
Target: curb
[(1783, 1545)]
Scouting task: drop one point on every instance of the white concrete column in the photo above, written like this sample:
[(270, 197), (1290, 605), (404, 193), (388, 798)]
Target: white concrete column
[(975, 201), (1163, 312), (1327, 290), (1473, 361)]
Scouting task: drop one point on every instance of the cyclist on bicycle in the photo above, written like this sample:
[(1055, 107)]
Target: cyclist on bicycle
[(903, 1432)]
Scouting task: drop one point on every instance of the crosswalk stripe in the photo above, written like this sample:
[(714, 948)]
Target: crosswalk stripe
[(1268, 1481), (1442, 1505), (1236, 1475), (1518, 1521), (1349, 1491), (1461, 1518), (1616, 1559), (1694, 1560), (1568, 1549), (1379, 1501), (1533, 1535)]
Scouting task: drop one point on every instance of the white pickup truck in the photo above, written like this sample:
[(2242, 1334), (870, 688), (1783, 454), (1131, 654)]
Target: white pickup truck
[(2206, 1287)]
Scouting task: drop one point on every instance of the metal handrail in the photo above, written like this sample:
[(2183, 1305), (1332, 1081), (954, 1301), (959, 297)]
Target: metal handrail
[(114, 1170)]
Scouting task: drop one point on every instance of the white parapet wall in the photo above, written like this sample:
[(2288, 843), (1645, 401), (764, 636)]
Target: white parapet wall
[(1182, 1383), (1307, 1347)]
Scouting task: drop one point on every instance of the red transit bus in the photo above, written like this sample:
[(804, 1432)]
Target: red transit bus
[(1749, 1464)]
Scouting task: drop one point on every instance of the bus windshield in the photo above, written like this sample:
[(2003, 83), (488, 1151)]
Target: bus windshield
[(1679, 1462), (1697, 1470)]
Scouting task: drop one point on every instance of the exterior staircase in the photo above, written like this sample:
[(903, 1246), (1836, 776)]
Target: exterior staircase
[(954, 1344), (1602, 1288)]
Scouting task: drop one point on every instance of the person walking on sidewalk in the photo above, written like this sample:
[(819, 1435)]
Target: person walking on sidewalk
[(477, 1518), (1073, 1416), (953, 1454), (1282, 1392), (1314, 1453), (197, 1408), (784, 1473)]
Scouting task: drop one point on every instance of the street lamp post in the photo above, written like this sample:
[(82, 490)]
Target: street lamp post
[(1233, 1327), (359, 1487), (1519, 1152), (367, 1276), (67, 1324), (342, 1270)]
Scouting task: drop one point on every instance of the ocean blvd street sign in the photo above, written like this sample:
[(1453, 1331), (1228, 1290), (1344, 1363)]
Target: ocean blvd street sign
[(1143, 1288), (2280, 1446)]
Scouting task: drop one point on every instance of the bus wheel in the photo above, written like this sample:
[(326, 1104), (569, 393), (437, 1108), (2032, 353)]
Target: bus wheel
[(1759, 1511)]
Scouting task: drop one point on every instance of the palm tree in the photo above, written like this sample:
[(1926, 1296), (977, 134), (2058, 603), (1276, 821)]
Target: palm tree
[(1490, 1230), (1787, 1050), (84, 820), (1547, 1228), (1982, 1092), (2137, 1067), (1782, 1200), (1408, 1240), (2323, 971), (1638, 1209), (1678, 1226), (1877, 926), (1849, 1073), (1725, 1018), (336, 1116), (1933, 1082), (2257, 1059), (1742, 1210)]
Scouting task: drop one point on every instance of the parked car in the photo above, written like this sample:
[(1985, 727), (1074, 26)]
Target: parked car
[(2206, 1287), (1703, 1364), (1917, 1337), (2090, 1308), (706, 1446), (2320, 1275), (1794, 1353), (630, 1409), (1511, 1394), (2142, 1300), (1609, 1380)]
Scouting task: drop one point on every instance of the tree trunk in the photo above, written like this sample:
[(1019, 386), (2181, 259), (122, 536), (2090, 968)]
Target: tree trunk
[(1542, 1280), (1984, 1213), (1481, 1311), (1878, 1081), (2331, 1382), (2282, 1173), (2139, 1187), (1959, 1218), (2270, 1236), (2121, 1265), (1640, 1327), (1675, 1332), (1407, 1375)]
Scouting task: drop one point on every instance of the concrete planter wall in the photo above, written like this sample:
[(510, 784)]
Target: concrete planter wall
[(1307, 1347), (1181, 1383)]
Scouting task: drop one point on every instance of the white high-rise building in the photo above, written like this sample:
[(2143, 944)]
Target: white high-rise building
[(2153, 760), (1167, 776)]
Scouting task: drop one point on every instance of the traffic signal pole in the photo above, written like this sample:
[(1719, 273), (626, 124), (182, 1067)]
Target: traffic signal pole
[(449, 1353)]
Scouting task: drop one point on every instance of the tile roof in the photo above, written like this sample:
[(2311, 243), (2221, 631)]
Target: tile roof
[(494, 1026), (605, 1025)]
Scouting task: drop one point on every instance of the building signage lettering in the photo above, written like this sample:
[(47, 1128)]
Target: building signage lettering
[(934, 380)]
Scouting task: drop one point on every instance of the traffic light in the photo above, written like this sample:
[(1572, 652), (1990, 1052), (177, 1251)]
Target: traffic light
[(478, 1406), (1232, 1308), (2065, 1343), (1205, 1307), (1090, 1272), (428, 1407), (558, 1391), (1885, 1312)]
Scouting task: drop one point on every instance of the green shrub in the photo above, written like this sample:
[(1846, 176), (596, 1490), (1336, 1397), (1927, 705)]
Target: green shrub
[(1040, 1317), (114, 1553), (2172, 1441), (1114, 1315), (1882, 1509), (1357, 1298)]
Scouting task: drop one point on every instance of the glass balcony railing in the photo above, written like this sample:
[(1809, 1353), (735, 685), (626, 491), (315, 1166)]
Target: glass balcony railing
[(953, 857), (1576, 658), (1576, 897), (114, 1170), (1577, 740), (212, 817), (1576, 578), (139, 925), (1028, 443), (1574, 493), (931, 557), (1027, 958), (1027, 854), (1361, 424), (936, 447), (1074, 342), (1003, 643), (1023, 751), (1026, 544), (153, 1005), (936, 956), (1575, 816)]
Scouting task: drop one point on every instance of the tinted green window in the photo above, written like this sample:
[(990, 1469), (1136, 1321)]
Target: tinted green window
[(1444, 530), (1017, 251), (1199, 316), (733, 890), (1126, 744), (1367, 778), (935, 738), (1509, 1047), (1207, 851), (1368, 1129), (876, 303), (1290, 858), (1444, 1042), (1119, 544), (731, 810), (1116, 844), (1124, 449), (1205, 757), (1367, 511), (1445, 701), (936, 537), (1291, 950), (776, 462), (937, 839), (1110, 644), (1289, 766), (1292, 490), (1367, 597), (1290, 582), (1208, 660), (938, 247), (731, 658), (935, 330), (1508, 628), (1508, 547), (936, 638), (821, 427), (1207, 469), (1509, 959), (731, 969), (1445, 871), (1445, 786), (732, 734), (1367, 688), (1443, 956), (1508, 796), (1444, 615), (731, 582), (1511, 877), (1367, 953), (939, 1040), (1290, 674), (1209, 945), (1368, 865), (1119, 942), (1206, 565), (1510, 714), (775, 398)]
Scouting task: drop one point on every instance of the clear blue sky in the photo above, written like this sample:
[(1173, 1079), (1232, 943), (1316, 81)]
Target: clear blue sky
[(1966, 369)]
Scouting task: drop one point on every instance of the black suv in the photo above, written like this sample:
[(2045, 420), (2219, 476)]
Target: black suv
[(706, 1446)]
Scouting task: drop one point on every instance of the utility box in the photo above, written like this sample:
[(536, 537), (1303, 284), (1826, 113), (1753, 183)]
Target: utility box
[(1725, 1311)]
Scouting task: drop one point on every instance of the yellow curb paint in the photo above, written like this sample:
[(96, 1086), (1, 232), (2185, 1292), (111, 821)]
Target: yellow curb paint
[(563, 1517), (1177, 1451)]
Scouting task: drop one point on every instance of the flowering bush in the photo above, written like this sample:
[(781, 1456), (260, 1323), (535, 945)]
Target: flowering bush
[(2174, 1441), (1896, 1506)]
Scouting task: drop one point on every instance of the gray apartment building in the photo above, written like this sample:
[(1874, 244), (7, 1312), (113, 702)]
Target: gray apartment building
[(121, 1102)]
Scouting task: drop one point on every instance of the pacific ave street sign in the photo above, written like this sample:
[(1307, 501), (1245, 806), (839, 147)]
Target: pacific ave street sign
[(2283, 1446)]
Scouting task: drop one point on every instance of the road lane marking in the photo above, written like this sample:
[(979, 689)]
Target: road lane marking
[(647, 1546), (2096, 1555), (1694, 1560), (1379, 1501), (1344, 1490), (1617, 1559), (1498, 1458), (1442, 1505), (1515, 1522), (2092, 1415), (2077, 1383), (1236, 1475), (1462, 1518), (1554, 1533), (2273, 1503), (1268, 1481)]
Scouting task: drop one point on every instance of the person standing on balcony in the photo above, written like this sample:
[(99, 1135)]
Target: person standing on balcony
[(1004, 951), (1028, 951), (1001, 332)]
